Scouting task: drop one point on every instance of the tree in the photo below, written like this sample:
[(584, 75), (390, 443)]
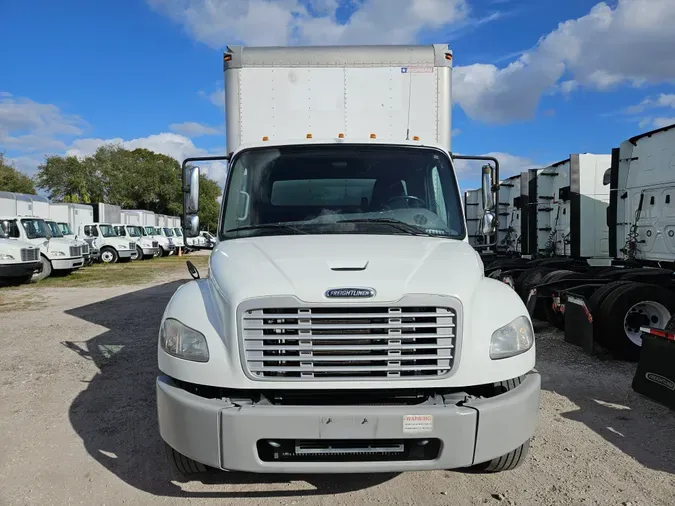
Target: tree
[(69, 179), (209, 208), (12, 180)]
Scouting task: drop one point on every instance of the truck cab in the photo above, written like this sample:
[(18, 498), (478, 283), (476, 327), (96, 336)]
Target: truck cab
[(146, 247), (166, 244), (56, 254), (57, 231), (178, 239), (19, 260), (68, 233), (111, 247)]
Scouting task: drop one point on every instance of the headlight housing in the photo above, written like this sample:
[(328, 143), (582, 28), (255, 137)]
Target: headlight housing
[(57, 253), (3, 256), (512, 339), (183, 342)]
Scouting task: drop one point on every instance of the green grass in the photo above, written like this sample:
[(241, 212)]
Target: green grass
[(130, 273)]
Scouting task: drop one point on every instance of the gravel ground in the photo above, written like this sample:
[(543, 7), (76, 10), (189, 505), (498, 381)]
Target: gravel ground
[(78, 422)]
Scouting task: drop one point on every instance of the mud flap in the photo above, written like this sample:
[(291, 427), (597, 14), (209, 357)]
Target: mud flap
[(655, 374), (579, 323), (532, 302)]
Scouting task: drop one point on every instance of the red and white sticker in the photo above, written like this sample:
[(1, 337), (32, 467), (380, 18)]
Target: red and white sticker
[(418, 423)]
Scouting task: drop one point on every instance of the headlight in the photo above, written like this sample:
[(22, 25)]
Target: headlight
[(6, 257), (58, 253), (513, 339), (183, 342)]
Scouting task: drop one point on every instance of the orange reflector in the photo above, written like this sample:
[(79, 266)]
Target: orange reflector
[(227, 57), (448, 56), (309, 136), (416, 138), (266, 138), (341, 136), (372, 136)]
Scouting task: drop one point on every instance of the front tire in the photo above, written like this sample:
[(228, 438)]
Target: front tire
[(183, 465), (507, 462), (46, 269), (109, 255)]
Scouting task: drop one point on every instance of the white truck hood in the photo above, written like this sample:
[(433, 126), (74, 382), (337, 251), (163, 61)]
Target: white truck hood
[(307, 266)]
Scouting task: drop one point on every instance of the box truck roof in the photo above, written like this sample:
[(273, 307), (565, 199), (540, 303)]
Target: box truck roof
[(281, 93)]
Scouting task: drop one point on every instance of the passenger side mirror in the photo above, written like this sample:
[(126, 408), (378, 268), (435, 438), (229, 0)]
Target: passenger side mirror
[(489, 223), (191, 226), (191, 190)]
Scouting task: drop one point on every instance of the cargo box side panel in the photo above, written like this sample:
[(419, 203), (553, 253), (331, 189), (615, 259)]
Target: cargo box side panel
[(590, 201)]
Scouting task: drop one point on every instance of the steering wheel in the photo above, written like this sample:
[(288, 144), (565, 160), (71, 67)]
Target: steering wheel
[(406, 198)]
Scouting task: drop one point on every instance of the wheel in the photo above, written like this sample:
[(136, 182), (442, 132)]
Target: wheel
[(531, 278), (165, 253), (46, 269), (109, 255), (627, 308), (507, 462), (138, 254), (158, 252), (182, 464)]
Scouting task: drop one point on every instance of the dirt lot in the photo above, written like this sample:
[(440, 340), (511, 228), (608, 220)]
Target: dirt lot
[(78, 422)]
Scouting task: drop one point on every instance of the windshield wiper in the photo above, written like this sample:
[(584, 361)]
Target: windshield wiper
[(401, 225), (267, 226)]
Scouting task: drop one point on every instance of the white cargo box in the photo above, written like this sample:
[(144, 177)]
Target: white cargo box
[(286, 93)]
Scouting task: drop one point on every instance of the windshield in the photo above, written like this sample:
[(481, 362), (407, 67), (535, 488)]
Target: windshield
[(150, 230), (342, 189), (178, 232), (134, 231), (65, 229), (168, 232), (35, 228), (107, 231), (54, 229), (119, 230)]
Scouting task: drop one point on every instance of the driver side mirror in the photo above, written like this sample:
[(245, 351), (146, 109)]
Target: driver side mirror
[(489, 223), (190, 201), (489, 220), (191, 226)]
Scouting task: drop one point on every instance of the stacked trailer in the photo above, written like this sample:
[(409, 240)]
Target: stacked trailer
[(509, 236), (632, 302), (564, 233)]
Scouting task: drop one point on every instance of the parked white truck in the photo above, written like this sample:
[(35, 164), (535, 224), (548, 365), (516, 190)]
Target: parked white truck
[(19, 260), (69, 217), (145, 246), (112, 248), (346, 324)]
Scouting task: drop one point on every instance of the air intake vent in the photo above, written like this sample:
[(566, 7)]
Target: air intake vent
[(30, 255)]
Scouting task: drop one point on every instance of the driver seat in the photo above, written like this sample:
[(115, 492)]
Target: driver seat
[(385, 189)]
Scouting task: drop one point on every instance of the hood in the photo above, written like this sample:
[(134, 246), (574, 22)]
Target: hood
[(59, 244), (307, 266)]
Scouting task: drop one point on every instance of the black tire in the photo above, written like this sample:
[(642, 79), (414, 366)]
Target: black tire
[(139, 253), (531, 278), (46, 269), (616, 306), (183, 465), (109, 255), (507, 462), (165, 253), (670, 326)]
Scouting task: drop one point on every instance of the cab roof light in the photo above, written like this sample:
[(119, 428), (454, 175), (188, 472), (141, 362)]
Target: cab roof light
[(265, 138), (309, 136), (373, 136), (341, 135)]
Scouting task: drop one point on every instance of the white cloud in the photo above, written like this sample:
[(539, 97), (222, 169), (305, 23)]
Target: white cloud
[(661, 122), (170, 144), (509, 165), (631, 43), (664, 100), (217, 97), (31, 143), (278, 22), (22, 115), (193, 129)]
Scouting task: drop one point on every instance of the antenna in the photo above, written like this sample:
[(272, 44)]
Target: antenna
[(407, 132)]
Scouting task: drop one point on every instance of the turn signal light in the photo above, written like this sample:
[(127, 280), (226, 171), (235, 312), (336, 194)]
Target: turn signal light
[(341, 136)]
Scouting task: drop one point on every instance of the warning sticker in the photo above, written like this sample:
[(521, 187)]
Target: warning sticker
[(418, 423), (417, 70)]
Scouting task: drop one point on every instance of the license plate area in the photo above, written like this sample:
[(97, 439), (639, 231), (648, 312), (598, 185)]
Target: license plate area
[(347, 450)]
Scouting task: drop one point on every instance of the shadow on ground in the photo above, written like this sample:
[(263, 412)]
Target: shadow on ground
[(607, 404), (116, 414)]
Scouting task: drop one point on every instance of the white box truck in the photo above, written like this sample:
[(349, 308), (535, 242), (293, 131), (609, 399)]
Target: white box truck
[(147, 221), (345, 324)]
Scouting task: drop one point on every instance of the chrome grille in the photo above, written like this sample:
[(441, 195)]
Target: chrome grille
[(75, 251), (132, 245), (30, 254), (85, 249), (349, 342), (155, 244)]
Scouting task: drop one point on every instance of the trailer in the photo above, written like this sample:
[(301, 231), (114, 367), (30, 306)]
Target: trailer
[(106, 213), (605, 307)]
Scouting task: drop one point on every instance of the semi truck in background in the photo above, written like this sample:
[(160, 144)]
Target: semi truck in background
[(346, 324)]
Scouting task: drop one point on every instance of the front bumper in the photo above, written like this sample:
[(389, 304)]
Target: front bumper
[(149, 251), (223, 435), (125, 253), (67, 263), (19, 269)]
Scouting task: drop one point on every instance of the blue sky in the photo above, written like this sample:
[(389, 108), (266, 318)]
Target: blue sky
[(534, 80)]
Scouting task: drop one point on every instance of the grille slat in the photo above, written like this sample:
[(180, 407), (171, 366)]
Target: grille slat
[(75, 251), (132, 245), (359, 342), (155, 244), (30, 254)]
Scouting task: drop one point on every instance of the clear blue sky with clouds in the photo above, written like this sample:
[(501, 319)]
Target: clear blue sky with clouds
[(534, 80)]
